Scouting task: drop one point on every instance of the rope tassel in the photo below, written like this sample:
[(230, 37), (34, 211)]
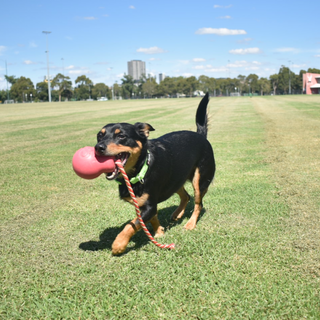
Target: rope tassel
[(133, 197)]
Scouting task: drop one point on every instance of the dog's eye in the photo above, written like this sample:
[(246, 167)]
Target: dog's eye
[(100, 136), (121, 136)]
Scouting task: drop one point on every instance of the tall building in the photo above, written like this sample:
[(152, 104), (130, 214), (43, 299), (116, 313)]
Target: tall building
[(136, 68), (161, 77)]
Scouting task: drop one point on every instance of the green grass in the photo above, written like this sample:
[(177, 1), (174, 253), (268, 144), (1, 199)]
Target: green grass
[(255, 251)]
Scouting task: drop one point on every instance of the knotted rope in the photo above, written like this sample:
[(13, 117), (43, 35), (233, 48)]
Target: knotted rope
[(133, 197)]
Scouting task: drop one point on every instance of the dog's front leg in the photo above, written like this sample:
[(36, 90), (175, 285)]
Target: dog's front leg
[(120, 243), (148, 213)]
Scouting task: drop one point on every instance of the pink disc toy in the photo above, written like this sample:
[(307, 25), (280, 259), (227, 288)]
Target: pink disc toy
[(88, 165)]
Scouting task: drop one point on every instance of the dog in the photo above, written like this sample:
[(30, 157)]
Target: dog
[(158, 168)]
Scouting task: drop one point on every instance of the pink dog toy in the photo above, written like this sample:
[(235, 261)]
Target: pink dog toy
[(88, 165)]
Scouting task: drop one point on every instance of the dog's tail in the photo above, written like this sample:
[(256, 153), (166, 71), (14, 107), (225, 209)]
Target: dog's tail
[(202, 116)]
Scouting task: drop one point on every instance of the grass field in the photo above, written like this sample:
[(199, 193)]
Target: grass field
[(254, 254)]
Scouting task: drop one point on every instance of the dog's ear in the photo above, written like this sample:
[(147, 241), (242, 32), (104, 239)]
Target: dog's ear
[(143, 129)]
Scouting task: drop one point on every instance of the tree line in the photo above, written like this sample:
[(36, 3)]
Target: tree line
[(23, 90)]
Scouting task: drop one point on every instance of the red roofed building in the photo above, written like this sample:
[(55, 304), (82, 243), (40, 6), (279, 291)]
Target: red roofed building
[(311, 83)]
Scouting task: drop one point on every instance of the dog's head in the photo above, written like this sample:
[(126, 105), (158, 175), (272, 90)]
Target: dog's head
[(124, 141)]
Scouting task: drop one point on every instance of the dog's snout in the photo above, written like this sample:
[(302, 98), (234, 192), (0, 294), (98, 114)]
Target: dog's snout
[(100, 148)]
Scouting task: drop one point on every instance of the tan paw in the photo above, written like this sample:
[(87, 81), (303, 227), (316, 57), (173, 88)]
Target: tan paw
[(190, 225), (160, 232), (118, 248)]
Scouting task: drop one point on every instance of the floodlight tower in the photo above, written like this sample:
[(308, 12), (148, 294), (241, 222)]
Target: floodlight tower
[(8, 97), (289, 78), (49, 89)]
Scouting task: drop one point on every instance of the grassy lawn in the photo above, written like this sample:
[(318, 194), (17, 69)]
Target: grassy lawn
[(255, 251)]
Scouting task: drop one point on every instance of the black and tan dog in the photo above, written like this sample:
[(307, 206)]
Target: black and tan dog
[(159, 168)]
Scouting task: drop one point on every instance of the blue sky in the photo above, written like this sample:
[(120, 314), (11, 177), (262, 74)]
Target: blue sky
[(214, 38)]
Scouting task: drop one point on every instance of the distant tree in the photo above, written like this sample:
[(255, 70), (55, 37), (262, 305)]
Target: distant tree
[(83, 89), (127, 86), (189, 85), (206, 84), (221, 86), (117, 90), (168, 86), (101, 90), (252, 80), (63, 85), (11, 79), (42, 91), (230, 85), (241, 82), (283, 82), (274, 79), (314, 70), (22, 89), (3, 95), (149, 87), (264, 85), (299, 81)]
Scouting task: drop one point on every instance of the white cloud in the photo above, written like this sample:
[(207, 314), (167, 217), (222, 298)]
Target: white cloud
[(298, 66), (317, 56), (184, 61), (219, 69), (209, 68), (198, 60), (2, 49), (199, 67), (132, 7), (225, 17), (286, 50), (246, 51), (29, 62), (220, 31), (80, 71), (253, 65), (151, 50), (242, 64), (90, 18), (32, 44), (218, 6), (245, 41), (187, 74)]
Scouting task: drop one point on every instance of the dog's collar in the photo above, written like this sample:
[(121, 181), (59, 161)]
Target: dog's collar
[(140, 176)]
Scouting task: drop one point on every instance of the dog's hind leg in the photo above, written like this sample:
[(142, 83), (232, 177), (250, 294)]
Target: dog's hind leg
[(184, 199), (198, 195)]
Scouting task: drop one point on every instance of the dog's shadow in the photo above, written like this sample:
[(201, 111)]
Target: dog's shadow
[(139, 239)]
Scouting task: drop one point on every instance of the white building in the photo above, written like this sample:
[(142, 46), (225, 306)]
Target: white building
[(136, 68)]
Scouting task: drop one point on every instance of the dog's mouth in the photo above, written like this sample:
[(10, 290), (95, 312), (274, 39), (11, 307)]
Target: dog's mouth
[(123, 157)]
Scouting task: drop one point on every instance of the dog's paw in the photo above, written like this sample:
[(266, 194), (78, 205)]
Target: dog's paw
[(159, 233), (118, 249), (120, 244), (190, 225)]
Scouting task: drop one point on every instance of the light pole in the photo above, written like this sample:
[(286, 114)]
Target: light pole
[(49, 89), (8, 97), (289, 78), (62, 67)]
